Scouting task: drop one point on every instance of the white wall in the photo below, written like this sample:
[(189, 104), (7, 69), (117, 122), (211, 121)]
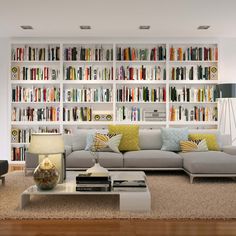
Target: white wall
[(4, 114), (227, 69), (227, 57)]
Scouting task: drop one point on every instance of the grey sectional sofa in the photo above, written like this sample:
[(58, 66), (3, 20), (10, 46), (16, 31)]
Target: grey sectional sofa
[(150, 157)]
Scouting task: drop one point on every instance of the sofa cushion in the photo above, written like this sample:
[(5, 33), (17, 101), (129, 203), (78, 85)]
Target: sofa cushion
[(152, 159), (84, 159), (171, 138), (211, 140), (194, 146), (130, 136), (150, 139), (211, 162)]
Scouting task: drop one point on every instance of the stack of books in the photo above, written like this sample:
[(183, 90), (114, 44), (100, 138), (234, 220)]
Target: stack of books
[(93, 182), (129, 185)]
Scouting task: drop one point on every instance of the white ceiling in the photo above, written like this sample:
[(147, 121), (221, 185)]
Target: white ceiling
[(120, 18)]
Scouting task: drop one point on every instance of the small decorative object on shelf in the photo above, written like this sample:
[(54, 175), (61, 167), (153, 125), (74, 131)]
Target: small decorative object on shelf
[(46, 175)]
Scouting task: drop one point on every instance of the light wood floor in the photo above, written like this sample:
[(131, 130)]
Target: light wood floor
[(117, 227)]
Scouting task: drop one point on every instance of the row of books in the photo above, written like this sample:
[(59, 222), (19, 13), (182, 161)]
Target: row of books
[(141, 54), (129, 114), (196, 113), (77, 114), (93, 182), (35, 94), (193, 54), (88, 95), (141, 94), (29, 53), (24, 135), (35, 114), (194, 73), (185, 94), (88, 73), (97, 53), (18, 153), (34, 73), (140, 73)]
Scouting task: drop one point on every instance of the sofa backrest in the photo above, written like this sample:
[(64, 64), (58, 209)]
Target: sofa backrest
[(149, 139)]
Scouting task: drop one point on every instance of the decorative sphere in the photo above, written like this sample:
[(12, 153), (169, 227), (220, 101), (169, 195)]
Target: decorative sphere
[(46, 175)]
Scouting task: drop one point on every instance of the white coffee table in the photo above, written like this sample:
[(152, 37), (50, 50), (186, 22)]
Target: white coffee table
[(129, 200)]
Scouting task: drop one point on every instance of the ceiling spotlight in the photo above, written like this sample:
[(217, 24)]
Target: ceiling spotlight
[(85, 27), (203, 27), (144, 27), (26, 27)]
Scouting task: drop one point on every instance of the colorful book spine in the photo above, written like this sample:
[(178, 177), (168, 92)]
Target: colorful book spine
[(35, 114), (195, 113), (141, 54), (35, 94), (129, 114), (191, 94), (141, 94), (88, 95), (81, 53), (193, 54), (29, 53), (140, 73), (77, 114), (88, 73)]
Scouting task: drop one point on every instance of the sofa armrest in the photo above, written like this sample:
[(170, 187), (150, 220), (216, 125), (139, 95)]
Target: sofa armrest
[(68, 150), (230, 150)]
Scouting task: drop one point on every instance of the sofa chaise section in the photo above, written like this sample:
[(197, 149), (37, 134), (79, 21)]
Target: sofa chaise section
[(209, 164)]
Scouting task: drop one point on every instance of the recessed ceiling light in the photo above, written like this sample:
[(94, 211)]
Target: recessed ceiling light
[(26, 27), (144, 27), (203, 27), (85, 27)]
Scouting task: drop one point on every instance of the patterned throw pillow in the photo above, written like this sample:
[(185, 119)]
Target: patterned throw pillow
[(171, 138), (211, 140), (106, 142), (194, 146), (130, 136)]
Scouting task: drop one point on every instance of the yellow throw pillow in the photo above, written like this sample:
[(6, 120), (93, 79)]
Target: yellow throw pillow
[(194, 146), (210, 139), (130, 136)]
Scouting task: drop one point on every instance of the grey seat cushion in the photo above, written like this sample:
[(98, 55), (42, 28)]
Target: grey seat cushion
[(84, 159), (211, 162), (3, 167), (152, 159)]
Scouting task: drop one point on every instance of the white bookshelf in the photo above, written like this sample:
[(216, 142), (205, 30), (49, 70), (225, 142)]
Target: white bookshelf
[(163, 79)]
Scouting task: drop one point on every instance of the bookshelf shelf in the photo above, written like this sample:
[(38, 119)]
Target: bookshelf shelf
[(193, 82), (84, 103), (87, 82), (145, 82), (113, 68), (143, 103)]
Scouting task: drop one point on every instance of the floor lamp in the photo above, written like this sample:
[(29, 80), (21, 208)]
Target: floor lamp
[(227, 110)]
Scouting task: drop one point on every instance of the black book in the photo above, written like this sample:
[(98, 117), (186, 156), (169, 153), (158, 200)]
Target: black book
[(129, 183)]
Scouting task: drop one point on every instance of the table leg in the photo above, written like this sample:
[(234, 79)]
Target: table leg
[(25, 198), (135, 201)]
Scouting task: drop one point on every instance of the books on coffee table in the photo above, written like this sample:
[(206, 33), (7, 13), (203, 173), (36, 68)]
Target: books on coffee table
[(93, 182)]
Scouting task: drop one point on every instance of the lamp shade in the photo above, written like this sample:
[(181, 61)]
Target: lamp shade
[(46, 143), (226, 90)]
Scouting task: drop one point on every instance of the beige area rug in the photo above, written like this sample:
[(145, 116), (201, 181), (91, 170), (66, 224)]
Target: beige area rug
[(173, 197)]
